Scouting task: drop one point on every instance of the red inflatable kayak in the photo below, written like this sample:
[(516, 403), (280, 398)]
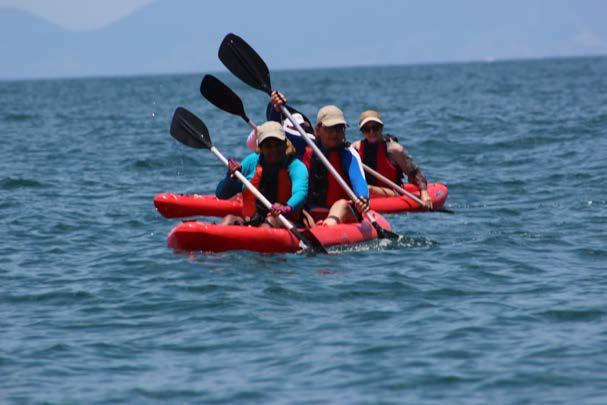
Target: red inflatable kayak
[(181, 205), (203, 236)]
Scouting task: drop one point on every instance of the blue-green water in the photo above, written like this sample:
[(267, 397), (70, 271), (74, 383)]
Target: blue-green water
[(503, 302)]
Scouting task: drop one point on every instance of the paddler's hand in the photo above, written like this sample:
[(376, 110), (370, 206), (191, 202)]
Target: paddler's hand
[(278, 209), (233, 165), (425, 197), (362, 205), (278, 99)]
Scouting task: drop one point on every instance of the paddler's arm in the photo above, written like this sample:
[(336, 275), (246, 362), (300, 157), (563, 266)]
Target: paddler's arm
[(399, 155), (354, 149), (229, 186), (272, 114), (357, 178), (299, 184)]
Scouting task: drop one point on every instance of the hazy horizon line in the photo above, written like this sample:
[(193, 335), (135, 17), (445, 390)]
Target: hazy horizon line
[(361, 66)]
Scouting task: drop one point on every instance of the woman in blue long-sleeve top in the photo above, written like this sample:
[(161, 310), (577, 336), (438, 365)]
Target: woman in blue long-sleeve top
[(278, 175)]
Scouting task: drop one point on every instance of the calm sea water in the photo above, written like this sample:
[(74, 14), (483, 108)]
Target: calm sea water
[(503, 302)]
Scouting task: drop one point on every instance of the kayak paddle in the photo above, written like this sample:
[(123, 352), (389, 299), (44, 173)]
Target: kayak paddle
[(188, 129), (401, 190), (248, 66), (224, 98)]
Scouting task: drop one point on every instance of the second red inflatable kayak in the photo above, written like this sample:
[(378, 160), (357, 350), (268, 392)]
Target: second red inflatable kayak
[(188, 205)]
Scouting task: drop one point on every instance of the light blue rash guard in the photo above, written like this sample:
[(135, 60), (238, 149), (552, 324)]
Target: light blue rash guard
[(228, 187)]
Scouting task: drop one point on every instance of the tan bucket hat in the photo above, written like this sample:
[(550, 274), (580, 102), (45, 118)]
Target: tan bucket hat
[(369, 115), (270, 129), (330, 115)]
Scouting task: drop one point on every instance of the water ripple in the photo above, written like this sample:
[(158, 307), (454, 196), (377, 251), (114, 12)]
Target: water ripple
[(11, 184), (496, 303)]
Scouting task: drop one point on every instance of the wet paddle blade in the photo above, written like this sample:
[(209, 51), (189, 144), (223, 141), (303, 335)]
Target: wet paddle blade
[(245, 63), (190, 130), (443, 210), (312, 241), (221, 96), (384, 233)]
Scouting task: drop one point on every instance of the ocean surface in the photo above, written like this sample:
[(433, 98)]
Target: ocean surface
[(504, 302)]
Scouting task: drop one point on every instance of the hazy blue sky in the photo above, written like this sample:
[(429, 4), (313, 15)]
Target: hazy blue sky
[(78, 15), (72, 38)]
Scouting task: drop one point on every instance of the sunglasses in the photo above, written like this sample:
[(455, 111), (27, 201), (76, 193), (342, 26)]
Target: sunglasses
[(339, 128), (272, 143), (372, 127)]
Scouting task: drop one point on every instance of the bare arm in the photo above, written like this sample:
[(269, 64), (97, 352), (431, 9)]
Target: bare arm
[(399, 155)]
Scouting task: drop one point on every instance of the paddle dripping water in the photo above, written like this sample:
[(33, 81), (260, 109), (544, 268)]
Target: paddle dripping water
[(503, 302)]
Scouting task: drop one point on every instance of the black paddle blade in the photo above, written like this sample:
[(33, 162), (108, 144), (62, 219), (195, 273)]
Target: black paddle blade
[(245, 63), (443, 210), (311, 241), (221, 96), (190, 130), (384, 233)]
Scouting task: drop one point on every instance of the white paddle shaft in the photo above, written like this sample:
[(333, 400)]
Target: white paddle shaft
[(324, 160), (252, 188), (392, 184)]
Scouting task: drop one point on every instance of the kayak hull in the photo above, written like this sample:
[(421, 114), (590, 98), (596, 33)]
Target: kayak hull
[(391, 205), (172, 205), (207, 237)]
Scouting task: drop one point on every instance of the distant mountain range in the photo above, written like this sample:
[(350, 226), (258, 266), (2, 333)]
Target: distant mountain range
[(183, 35)]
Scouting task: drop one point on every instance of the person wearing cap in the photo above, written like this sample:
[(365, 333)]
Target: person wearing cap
[(325, 195), (292, 134), (275, 172), (273, 113), (385, 155)]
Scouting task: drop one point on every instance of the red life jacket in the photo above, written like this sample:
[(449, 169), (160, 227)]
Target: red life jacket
[(379, 161), (323, 189), (283, 192)]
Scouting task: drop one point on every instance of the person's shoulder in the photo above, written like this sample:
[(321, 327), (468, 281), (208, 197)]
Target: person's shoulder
[(250, 160), (307, 153), (298, 169), (351, 158), (297, 164), (394, 147), (349, 151)]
